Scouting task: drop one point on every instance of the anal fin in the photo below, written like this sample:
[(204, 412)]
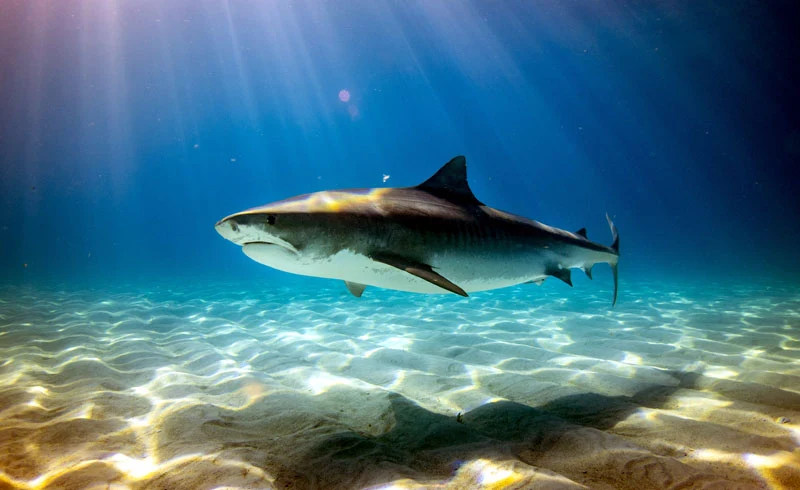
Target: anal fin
[(355, 288), (423, 271)]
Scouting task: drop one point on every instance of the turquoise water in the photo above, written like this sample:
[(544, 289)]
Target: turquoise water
[(170, 386)]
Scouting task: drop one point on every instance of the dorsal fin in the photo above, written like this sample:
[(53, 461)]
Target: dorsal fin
[(582, 232), (450, 182)]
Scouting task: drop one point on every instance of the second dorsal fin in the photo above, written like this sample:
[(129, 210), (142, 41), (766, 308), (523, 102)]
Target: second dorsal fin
[(450, 182)]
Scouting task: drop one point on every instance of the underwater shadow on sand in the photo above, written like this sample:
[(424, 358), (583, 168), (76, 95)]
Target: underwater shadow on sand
[(563, 436), (206, 389)]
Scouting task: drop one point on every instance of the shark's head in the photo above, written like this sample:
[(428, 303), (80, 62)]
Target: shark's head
[(270, 234), (294, 232)]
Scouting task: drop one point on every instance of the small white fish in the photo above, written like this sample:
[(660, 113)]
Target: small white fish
[(386, 177)]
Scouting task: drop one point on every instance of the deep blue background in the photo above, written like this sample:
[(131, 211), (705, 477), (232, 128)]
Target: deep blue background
[(127, 129)]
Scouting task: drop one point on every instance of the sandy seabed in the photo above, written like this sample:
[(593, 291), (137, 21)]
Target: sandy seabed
[(225, 386)]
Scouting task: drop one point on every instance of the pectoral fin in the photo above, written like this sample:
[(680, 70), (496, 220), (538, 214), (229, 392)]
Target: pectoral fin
[(423, 271), (563, 274), (355, 288)]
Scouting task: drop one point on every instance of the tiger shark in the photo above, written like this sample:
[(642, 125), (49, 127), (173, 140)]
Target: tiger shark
[(436, 237)]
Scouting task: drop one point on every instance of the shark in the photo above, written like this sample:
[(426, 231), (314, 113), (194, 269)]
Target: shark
[(435, 237)]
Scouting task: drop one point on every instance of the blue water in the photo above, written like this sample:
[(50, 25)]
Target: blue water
[(136, 340), (128, 129)]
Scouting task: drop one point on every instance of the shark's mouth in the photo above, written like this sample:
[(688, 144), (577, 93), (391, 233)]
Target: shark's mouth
[(265, 244), (271, 254)]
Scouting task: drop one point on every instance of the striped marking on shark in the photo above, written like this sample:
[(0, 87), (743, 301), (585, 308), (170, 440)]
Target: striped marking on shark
[(436, 237)]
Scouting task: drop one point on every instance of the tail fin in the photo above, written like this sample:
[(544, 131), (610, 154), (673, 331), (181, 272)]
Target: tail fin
[(615, 247)]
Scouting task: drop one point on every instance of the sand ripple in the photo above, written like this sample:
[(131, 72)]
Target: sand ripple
[(173, 387)]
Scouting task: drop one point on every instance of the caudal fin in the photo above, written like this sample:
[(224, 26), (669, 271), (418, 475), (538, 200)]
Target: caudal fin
[(615, 247)]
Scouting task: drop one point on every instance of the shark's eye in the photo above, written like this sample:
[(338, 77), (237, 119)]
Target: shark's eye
[(270, 219)]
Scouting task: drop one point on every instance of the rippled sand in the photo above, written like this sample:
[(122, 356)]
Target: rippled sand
[(232, 387)]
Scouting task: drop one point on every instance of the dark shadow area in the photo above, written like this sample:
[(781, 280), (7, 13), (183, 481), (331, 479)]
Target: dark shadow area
[(426, 445), (347, 438), (429, 447)]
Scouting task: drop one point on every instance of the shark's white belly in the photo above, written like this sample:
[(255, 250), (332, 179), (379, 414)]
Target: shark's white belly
[(470, 273)]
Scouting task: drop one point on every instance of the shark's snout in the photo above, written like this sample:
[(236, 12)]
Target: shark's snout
[(228, 228), (228, 220), (240, 231)]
